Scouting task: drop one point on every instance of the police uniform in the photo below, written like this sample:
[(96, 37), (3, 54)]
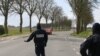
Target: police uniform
[(40, 40), (91, 47)]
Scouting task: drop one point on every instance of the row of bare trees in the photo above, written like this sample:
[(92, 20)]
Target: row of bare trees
[(41, 8), (5, 9), (83, 11), (62, 23)]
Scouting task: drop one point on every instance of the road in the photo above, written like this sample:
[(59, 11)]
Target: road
[(59, 44)]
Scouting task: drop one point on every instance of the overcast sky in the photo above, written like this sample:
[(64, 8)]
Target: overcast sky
[(14, 18)]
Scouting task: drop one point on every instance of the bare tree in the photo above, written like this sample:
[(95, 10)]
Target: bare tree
[(64, 23), (83, 12), (41, 7), (5, 8), (19, 6), (55, 13), (47, 13), (30, 9)]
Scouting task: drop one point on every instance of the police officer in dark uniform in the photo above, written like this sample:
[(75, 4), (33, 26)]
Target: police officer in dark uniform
[(40, 40), (91, 47)]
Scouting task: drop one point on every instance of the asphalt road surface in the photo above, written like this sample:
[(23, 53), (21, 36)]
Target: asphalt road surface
[(59, 44)]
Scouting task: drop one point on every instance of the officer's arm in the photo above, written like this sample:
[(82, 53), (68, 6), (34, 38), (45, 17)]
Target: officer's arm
[(46, 35), (83, 49), (30, 37), (84, 46)]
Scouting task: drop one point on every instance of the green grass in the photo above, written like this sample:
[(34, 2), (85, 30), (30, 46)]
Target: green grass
[(84, 34), (15, 31)]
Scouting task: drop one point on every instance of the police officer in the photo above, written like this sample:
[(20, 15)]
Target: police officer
[(91, 47), (40, 40)]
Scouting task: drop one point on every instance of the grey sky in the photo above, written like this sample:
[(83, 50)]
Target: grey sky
[(14, 19)]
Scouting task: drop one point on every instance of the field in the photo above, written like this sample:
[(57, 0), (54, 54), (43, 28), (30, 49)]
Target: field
[(15, 31), (84, 34)]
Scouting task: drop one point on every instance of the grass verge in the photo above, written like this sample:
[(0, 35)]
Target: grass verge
[(84, 34), (15, 31)]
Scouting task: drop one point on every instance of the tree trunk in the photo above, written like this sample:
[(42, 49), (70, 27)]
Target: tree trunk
[(21, 23), (46, 21), (81, 25), (5, 24), (40, 19), (52, 23), (85, 27), (46, 18), (78, 25), (30, 23)]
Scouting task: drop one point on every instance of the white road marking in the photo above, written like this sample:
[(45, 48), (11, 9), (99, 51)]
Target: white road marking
[(77, 53), (84, 40), (74, 49)]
